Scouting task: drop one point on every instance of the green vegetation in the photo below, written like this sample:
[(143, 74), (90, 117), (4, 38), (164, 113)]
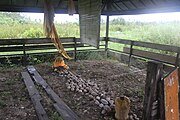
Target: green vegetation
[(13, 25)]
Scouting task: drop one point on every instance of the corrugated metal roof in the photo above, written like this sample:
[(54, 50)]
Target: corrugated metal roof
[(111, 7)]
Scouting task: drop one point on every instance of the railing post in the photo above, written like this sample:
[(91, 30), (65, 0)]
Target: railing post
[(24, 53), (75, 48), (130, 54), (107, 34)]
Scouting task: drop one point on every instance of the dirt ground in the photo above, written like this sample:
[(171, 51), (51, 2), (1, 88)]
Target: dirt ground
[(14, 100), (113, 78)]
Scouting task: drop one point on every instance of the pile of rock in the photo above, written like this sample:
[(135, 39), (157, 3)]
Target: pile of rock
[(86, 87), (90, 89)]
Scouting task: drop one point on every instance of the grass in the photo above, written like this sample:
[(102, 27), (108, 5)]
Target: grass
[(55, 116), (167, 33)]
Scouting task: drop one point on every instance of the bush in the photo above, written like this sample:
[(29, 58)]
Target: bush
[(32, 33)]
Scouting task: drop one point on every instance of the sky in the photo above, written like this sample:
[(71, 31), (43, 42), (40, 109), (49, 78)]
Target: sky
[(158, 17)]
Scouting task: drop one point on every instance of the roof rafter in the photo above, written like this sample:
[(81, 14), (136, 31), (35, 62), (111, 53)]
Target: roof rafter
[(133, 4), (117, 5)]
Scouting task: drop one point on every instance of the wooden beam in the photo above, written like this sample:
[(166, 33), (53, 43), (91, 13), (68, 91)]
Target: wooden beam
[(34, 40), (151, 102), (150, 55), (143, 11), (65, 112), (107, 33), (35, 96), (169, 48)]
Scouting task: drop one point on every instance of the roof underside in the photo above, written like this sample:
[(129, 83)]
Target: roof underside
[(109, 7)]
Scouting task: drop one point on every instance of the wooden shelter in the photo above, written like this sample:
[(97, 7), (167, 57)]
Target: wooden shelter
[(109, 7), (90, 12)]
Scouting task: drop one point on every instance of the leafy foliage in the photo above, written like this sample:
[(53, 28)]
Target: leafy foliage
[(13, 25)]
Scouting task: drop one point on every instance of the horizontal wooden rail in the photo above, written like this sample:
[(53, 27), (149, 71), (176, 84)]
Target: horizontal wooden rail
[(170, 59), (169, 48), (151, 55), (24, 47), (36, 47), (34, 41)]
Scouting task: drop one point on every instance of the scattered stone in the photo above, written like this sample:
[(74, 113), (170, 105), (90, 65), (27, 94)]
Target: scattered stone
[(98, 98), (103, 112), (108, 99), (91, 96), (104, 101), (97, 102), (94, 93), (72, 89), (107, 108), (101, 105)]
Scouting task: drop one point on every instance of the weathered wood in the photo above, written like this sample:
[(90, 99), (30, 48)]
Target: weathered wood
[(89, 17), (35, 96), (34, 40), (147, 45), (65, 112), (122, 41), (161, 99), (130, 53), (171, 89), (35, 47), (24, 54), (107, 33), (150, 105), (177, 59), (151, 55), (75, 49)]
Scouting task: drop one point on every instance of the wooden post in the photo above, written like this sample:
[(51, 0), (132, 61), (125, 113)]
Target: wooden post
[(107, 34), (151, 98), (130, 54), (24, 54), (177, 60), (75, 49)]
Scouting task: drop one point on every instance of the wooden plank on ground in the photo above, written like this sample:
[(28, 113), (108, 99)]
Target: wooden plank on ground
[(35, 96), (152, 55), (65, 112)]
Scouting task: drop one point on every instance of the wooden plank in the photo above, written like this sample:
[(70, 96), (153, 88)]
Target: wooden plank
[(147, 45), (150, 105), (35, 47), (107, 33), (150, 55), (171, 89), (34, 41), (35, 96), (130, 53), (75, 49), (89, 16), (63, 109)]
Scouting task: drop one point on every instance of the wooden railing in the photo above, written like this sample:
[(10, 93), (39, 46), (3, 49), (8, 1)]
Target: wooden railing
[(170, 59), (29, 46)]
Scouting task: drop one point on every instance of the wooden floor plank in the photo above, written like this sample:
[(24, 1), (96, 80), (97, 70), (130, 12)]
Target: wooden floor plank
[(35, 96), (65, 112)]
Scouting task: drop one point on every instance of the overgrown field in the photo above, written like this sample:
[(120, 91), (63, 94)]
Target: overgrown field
[(13, 25)]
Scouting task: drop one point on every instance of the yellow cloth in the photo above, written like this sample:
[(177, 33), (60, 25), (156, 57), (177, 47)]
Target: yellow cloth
[(60, 64), (49, 28)]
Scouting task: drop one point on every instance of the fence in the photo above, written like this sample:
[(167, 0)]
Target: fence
[(135, 49), (31, 46), (36, 46)]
